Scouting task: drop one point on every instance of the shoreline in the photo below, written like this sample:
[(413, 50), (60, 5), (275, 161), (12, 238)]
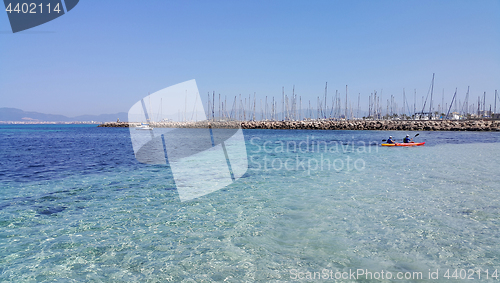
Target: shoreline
[(380, 125), (49, 123)]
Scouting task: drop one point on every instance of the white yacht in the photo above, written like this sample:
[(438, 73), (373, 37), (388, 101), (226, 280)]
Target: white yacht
[(143, 126)]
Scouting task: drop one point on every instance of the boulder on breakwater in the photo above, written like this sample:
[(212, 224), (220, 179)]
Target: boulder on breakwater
[(382, 125)]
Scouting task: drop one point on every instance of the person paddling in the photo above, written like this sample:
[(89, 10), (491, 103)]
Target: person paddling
[(407, 139), (390, 140)]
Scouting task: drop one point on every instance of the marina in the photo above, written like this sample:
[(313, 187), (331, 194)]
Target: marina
[(339, 115)]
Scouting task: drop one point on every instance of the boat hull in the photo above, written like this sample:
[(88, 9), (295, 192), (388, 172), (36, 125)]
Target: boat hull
[(404, 144)]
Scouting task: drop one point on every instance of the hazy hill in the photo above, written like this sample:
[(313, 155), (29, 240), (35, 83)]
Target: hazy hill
[(13, 114)]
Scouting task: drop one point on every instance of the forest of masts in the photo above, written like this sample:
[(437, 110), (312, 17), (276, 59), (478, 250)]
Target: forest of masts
[(293, 108)]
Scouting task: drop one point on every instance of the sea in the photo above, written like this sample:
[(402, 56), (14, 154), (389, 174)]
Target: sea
[(332, 206)]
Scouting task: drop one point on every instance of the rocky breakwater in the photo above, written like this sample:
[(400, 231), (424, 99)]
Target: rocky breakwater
[(199, 124), (119, 124), (382, 125)]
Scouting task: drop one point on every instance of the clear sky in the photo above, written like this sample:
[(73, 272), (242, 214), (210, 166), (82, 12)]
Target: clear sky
[(103, 56)]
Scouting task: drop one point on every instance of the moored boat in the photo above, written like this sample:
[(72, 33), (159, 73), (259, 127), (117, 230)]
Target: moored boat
[(143, 126)]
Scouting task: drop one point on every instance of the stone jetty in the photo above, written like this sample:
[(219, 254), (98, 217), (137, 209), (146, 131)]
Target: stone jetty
[(199, 124), (381, 125)]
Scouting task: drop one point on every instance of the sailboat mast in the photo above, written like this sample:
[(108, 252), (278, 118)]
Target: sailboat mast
[(415, 103), (253, 117), (272, 112), (432, 90), (495, 101), (359, 97), (484, 104), (451, 103), (326, 106), (265, 109), (467, 102), (346, 102), (213, 105), (300, 106), (283, 106)]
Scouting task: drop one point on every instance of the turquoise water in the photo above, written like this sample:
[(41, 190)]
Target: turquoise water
[(75, 206)]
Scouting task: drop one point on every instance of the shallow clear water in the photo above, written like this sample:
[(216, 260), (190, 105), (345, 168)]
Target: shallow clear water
[(75, 205)]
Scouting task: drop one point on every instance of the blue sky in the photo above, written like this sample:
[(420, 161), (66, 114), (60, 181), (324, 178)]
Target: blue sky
[(103, 56)]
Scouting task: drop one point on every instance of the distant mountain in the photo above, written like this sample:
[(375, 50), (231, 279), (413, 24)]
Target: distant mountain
[(17, 115)]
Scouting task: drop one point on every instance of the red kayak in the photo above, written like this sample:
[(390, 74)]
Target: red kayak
[(404, 144)]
